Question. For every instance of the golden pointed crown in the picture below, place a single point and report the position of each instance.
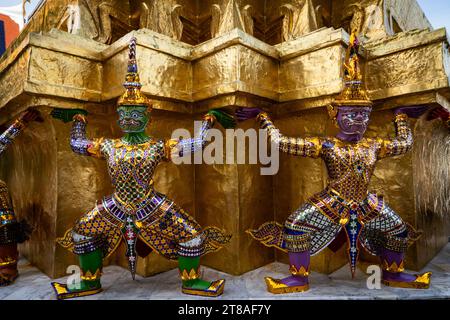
(133, 95)
(354, 93)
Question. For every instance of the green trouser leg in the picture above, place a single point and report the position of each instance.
(91, 268)
(189, 267)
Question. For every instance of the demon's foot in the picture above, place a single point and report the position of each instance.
(63, 292)
(199, 287)
(7, 277)
(405, 280)
(287, 285)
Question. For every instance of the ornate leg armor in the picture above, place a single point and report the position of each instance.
(8, 246)
(388, 236)
(189, 267)
(305, 233)
(90, 255)
(298, 244)
(8, 264)
(11, 233)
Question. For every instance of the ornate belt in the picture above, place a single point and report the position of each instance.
(337, 209)
(120, 210)
(132, 216)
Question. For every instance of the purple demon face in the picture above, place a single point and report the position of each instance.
(353, 121)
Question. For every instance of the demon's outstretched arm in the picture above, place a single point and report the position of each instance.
(306, 147)
(7, 137)
(79, 142)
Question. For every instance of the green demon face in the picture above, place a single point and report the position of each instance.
(133, 118)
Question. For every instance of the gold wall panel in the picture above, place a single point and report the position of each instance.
(63, 75)
(256, 205)
(234, 197)
(217, 204)
(215, 74)
(314, 74)
(258, 74)
(163, 78)
(308, 68)
(160, 79)
(14, 77)
(409, 63)
(414, 74)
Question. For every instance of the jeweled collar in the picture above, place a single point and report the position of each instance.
(120, 143)
(364, 142)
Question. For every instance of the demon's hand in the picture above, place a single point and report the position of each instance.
(243, 114)
(223, 117)
(31, 115)
(412, 112)
(66, 115)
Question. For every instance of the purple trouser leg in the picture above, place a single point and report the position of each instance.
(390, 257)
(298, 260)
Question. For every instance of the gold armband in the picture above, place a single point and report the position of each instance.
(168, 148)
(209, 117)
(95, 148)
(19, 124)
(401, 117)
(79, 117)
(262, 116)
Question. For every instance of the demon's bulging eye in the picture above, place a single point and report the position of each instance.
(136, 115)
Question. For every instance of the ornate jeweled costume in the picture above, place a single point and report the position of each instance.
(11, 230)
(136, 210)
(136, 213)
(345, 205)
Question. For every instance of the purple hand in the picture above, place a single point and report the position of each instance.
(243, 114)
(412, 112)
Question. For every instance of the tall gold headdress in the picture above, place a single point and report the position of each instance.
(133, 95)
(354, 93)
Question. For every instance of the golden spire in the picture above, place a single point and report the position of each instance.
(133, 95)
(354, 93)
